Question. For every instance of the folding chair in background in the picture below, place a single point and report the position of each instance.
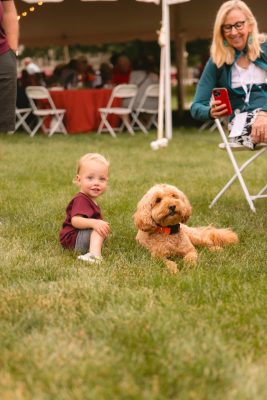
(211, 124)
(231, 148)
(39, 98)
(123, 91)
(151, 92)
(21, 116)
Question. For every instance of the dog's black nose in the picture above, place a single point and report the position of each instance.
(172, 209)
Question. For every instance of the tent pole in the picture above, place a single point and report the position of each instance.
(161, 90)
(180, 49)
(168, 107)
(161, 140)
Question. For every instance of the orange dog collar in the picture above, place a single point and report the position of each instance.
(168, 230)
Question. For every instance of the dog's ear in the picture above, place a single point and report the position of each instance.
(186, 209)
(142, 217)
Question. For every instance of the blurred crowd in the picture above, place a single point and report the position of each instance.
(79, 73)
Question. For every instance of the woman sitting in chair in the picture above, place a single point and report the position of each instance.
(238, 62)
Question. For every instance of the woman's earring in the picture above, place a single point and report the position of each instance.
(250, 39)
(225, 43)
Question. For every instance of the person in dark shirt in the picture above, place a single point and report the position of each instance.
(84, 229)
(8, 64)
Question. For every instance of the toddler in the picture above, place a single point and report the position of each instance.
(84, 229)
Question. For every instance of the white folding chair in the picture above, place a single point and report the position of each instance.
(211, 125)
(21, 116)
(146, 106)
(39, 98)
(231, 148)
(124, 91)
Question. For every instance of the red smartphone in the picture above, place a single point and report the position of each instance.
(222, 95)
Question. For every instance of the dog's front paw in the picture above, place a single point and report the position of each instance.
(190, 259)
(171, 266)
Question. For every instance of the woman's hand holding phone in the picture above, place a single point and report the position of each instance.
(220, 105)
(217, 109)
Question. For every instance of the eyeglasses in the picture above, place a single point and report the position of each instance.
(238, 26)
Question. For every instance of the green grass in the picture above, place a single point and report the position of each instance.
(127, 329)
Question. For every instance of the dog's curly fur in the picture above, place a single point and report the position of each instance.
(165, 205)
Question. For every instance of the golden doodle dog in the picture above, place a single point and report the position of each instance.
(160, 218)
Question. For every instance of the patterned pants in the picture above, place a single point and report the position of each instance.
(245, 137)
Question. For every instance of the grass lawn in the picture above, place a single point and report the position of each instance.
(127, 329)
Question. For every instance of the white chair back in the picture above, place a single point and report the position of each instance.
(152, 91)
(36, 93)
(123, 91)
(127, 92)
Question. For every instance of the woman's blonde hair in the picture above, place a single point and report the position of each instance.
(221, 53)
(90, 157)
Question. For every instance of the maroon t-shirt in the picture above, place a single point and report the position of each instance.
(4, 47)
(79, 205)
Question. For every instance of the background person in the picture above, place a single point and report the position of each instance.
(238, 62)
(84, 229)
(121, 71)
(8, 65)
(30, 66)
(106, 75)
(67, 74)
(35, 76)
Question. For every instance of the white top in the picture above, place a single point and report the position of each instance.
(32, 68)
(247, 76)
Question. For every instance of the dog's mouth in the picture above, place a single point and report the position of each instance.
(170, 217)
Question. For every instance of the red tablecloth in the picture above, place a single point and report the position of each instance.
(81, 107)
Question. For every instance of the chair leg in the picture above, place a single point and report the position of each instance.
(212, 128)
(22, 121)
(142, 126)
(139, 123)
(127, 124)
(26, 127)
(243, 186)
(37, 126)
(107, 124)
(205, 125)
(260, 194)
(263, 190)
(63, 128)
(239, 176)
(152, 121)
(122, 125)
(102, 123)
(238, 171)
(58, 125)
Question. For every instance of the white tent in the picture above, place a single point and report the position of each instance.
(106, 21)
(164, 41)
(70, 22)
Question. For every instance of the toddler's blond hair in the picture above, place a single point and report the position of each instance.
(90, 157)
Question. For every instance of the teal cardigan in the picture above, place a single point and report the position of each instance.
(213, 77)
